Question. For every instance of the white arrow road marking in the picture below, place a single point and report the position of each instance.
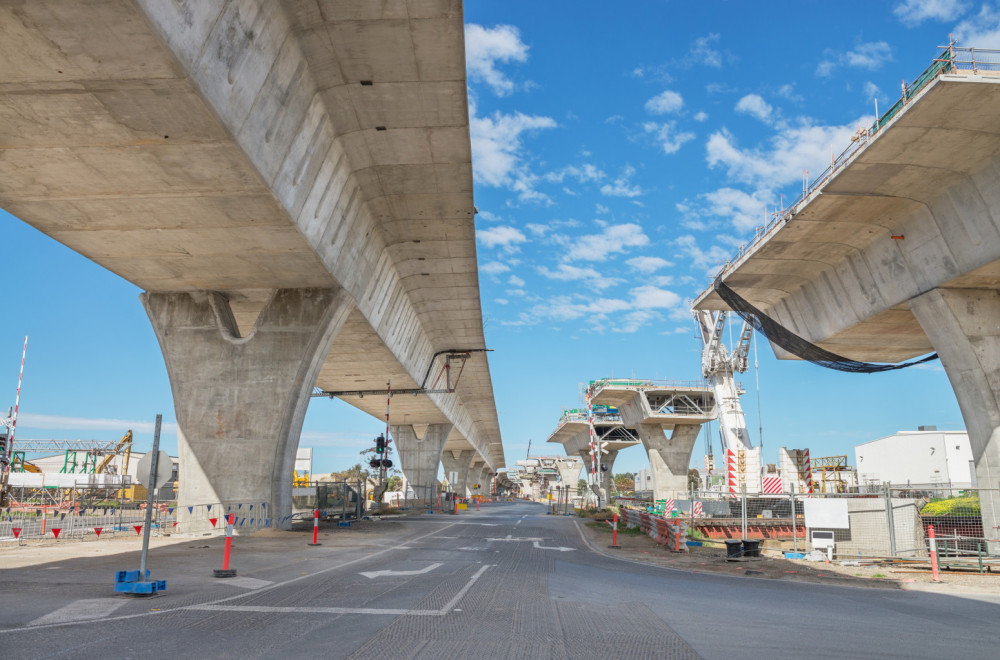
(374, 574)
(557, 547)
(521, 538)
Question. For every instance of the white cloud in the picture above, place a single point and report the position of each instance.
(755, 106)
(502, 236)
(667, 136)
(664, 103)
(613, 240)
(485, 47)
(501, 301)
(873, 93)
(601, 208)
(498, 157)
(649, 297)
(494, 268)
(915, 12)
(707, 260)
(582, 173)
(743, 210)
(796, 146)
(983, 31)
(621, 187)
(871, 56)
(491, 217)
(568, 273)
(703, 51)
(515, 281)
(648, 265)
(59, 422)
(701, 116)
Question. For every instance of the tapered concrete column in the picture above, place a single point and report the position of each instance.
(240, 401)
(600, 484)
(569, 472)
(964, 327)
(474, 473)
(420, 458)
(459, 464)
(669, 458)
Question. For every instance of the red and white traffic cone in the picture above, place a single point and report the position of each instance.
(614, 533)
(316, 528)
(225, 571)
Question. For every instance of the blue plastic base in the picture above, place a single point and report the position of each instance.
(146, 587)
(128, 582)
(344, 523)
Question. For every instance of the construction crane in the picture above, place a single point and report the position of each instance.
(720, 367)
(125, 442)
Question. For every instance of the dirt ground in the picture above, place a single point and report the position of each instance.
(636, 546)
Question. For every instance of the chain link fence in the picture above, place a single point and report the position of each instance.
(885, 522)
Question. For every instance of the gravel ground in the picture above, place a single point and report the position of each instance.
(636, 546)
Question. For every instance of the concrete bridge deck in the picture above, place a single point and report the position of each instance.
(897, 254)
(255, 166)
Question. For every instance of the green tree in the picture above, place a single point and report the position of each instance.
(694, 479)
(581, 486)
(395, 483)
(354, 473)
(624, 482)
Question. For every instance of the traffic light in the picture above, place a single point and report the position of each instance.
(375, 463)
(380, 446)
(386, 463)
(604, 467)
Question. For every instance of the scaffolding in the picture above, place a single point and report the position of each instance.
(835, 475)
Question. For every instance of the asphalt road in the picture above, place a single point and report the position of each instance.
(505, 582)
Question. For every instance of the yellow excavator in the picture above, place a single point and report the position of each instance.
(126, 444)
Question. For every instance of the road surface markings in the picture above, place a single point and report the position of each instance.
(556, 547)
(245, 582)
(81, 610)
(123, 617)
(374, 574)
(448, 608)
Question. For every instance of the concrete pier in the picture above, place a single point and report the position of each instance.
(420, 457)
(240, 401)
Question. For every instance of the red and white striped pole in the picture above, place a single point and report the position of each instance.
(17, 402)
(225, 571)
(614, 533)
(316, 528)
(934, 561)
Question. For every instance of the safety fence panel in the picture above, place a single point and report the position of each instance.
(78, 522)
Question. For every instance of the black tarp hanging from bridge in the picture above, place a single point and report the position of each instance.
(798, 346)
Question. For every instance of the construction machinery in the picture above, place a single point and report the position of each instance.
(719, 367)
(124, 444)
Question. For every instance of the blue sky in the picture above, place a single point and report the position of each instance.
(621, 150)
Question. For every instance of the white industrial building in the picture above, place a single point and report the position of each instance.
(925, 457)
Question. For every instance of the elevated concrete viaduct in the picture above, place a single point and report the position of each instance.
(611, 436)
(653, 409)
(897, 253)
(290, 183)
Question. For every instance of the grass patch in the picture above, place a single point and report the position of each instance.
(879, 575)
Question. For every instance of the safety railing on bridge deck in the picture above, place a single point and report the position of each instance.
(595, 385)
(951, 60)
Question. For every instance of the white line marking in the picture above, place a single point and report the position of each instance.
(448, 608)
(517, 539)
(371, 575)
(557, 547)
(80, 610)
(245, 582)
(123, 617)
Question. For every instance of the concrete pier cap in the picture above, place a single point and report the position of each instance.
(895, 253)
(655, 409)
